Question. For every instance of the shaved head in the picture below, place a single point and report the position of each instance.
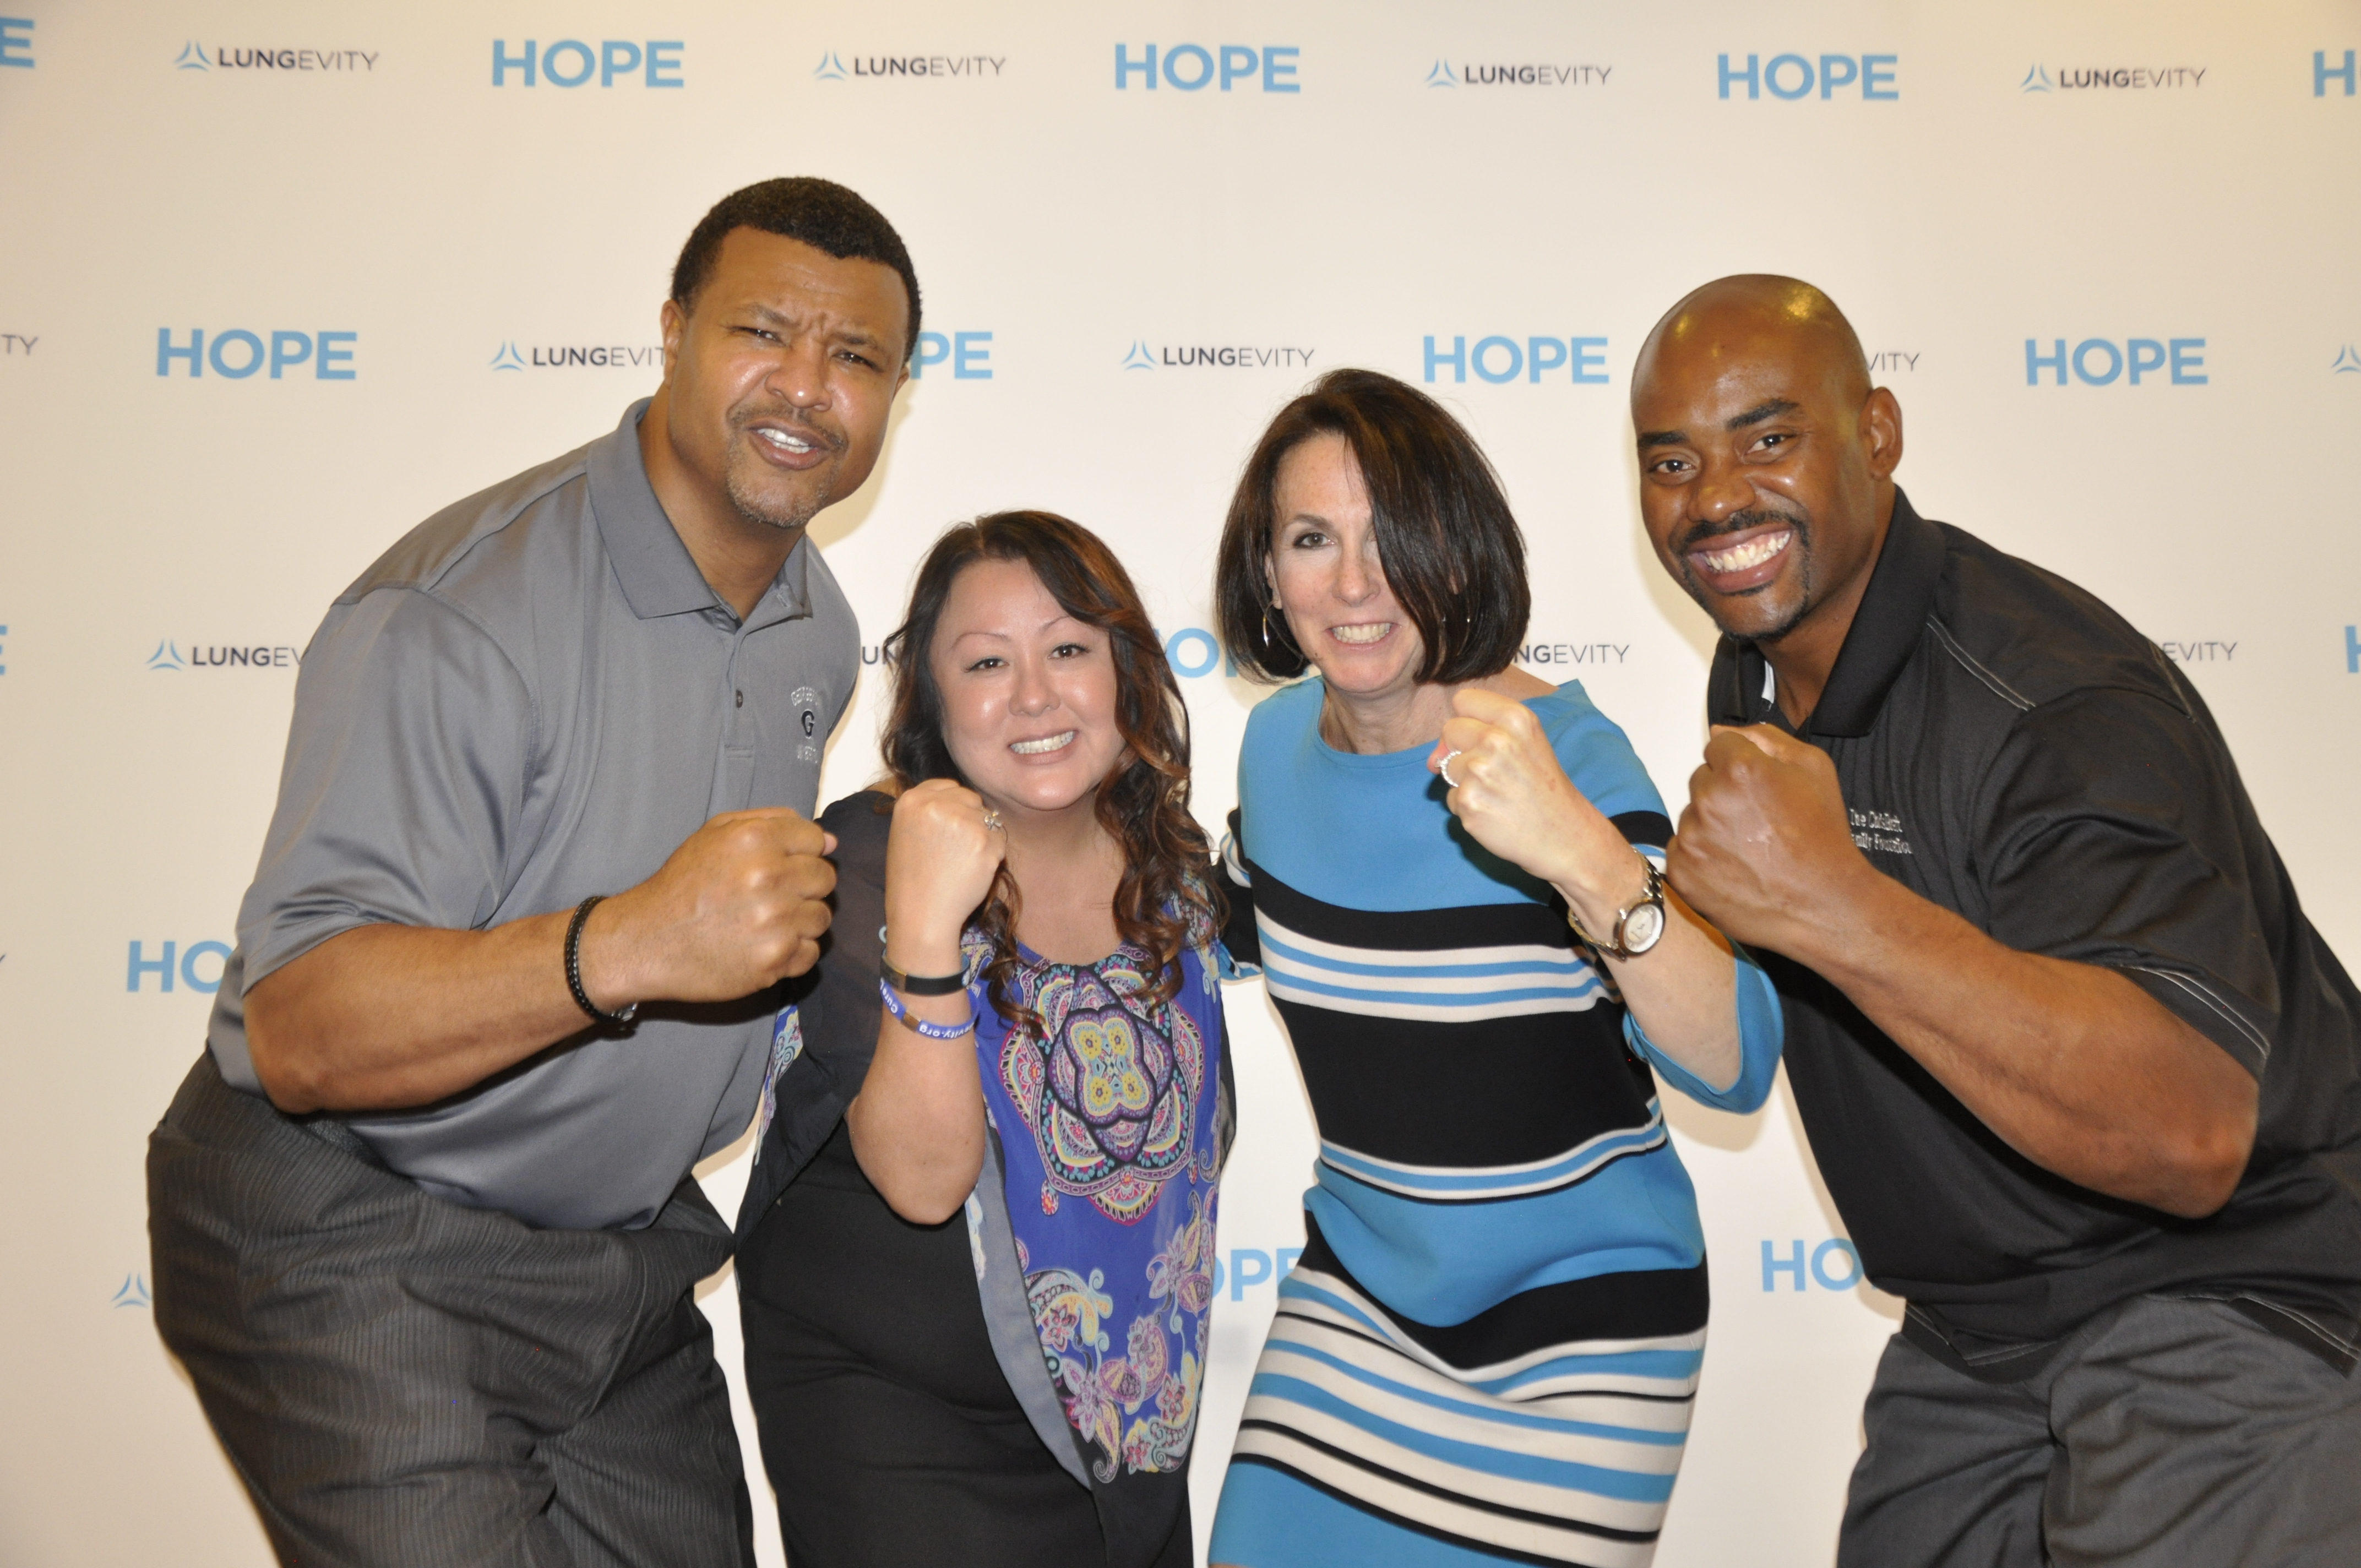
(1760, 311)
(1766, 461)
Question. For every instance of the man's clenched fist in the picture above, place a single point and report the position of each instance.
(1764, 849)
(741, 904)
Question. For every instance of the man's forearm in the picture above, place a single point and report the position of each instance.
(386, 1017)
(2072, 1065)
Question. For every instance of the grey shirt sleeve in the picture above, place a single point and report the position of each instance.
(405, 784)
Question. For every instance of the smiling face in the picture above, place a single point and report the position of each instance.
(779, 379)
(1766, 460)
(1325, 571)
(1029, 692)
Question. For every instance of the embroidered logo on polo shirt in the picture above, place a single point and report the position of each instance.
(807, 700)
(1878, 830)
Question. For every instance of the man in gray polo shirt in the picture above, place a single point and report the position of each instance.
(539, 880)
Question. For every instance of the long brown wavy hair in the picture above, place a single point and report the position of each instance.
(1165, 901)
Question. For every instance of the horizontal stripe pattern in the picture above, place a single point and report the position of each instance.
(1565, 1454)
(1441, 986)
(1460, 1184)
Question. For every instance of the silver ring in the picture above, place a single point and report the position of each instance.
(992, 822)
(1444, 769)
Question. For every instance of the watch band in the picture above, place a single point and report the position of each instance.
(621, 1020)
(1652, 892)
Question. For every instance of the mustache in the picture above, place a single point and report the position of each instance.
(1740, 521)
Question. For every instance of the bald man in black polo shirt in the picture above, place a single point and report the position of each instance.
(2083, 1082)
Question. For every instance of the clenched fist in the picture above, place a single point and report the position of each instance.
(939, 864)
(1764, 850)
(741, 904)
(1515, 800)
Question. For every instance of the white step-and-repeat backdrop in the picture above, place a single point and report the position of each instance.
(278, 281)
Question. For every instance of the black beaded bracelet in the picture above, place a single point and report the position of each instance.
(621, 1020)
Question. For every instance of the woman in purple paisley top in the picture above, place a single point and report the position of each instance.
(1032, 1070)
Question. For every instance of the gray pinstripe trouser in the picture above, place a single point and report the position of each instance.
(403, 1380)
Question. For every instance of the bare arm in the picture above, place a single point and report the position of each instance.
(2070, 1064)
(1516, 800)
(384, 1017)
(917, 1123)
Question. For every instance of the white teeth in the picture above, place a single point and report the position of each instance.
(1047, 743)
(781, 438)
(1754, 553)
(1367, 633)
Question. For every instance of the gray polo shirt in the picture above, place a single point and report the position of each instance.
(532, 697)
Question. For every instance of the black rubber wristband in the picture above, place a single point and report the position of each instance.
(574, 968)
(922, 985)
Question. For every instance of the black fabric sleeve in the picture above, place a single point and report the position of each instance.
(836, 1003)
(2112, 831)
(1238, 934)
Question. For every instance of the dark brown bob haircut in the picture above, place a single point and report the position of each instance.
(1164, 900)
(822, 214)
(1452, 553)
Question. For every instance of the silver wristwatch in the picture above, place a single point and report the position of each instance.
(1638, 926)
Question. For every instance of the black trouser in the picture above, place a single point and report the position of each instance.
(403, 1380)
(889, 1431)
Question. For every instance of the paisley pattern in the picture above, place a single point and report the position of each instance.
(1116, 1093)
(1109, 1087)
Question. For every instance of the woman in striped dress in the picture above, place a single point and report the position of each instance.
(1449, 873)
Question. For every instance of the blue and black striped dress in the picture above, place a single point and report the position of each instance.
(1489, 1349)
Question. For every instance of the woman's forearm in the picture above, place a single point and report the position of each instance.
(917, 1123)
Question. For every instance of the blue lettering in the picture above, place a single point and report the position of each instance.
(969, 363)
(1240, 1260)
(1771, 1266)
(1456, 359)
(1191, 667)
(1771, 76)
(288, 348)
(2183, 361)
(549, 63)
(2321, 73)
(2352, 650)
(188, 965)
(1751, 76)
(503, 61)
(1535, 347)
(330, 355)
(613, 61)
(663, 56)
(1829, 80)
(195, 353)
(2140, 362)
(1871, 78)
(162, 967)
(2034, 363)
(1274, 68)
(1822, 1253)
(1205, 60)
(1516, 359)
(1584, 360)
(933, 349)
(254, 354)
(1125, 65)
(17, 45)
(1238, 61)
(2115, 362)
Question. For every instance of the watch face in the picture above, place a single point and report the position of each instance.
(1642, 926)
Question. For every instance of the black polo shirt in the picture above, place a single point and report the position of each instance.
(2010, 749)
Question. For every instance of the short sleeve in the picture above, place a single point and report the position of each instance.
(2111, 831)
(404, 782)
